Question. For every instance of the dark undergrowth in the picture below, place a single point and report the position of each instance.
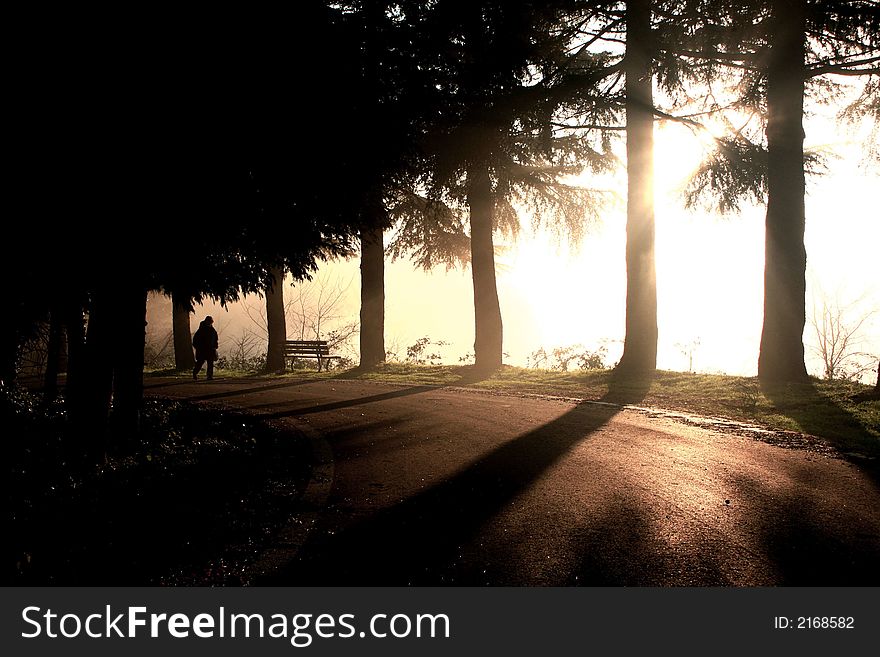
(198, 496)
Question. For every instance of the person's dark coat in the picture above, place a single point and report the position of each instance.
(205, 342)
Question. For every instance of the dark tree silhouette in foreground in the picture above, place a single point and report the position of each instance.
(54, 347)
(640, 344)
(180, 327)
(276, 323)
(372, 314)
(785, 257)
(780, 50)
(222, 162)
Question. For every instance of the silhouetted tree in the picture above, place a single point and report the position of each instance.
(501, 72)
(395, 101)
(276, 324)
(54, 346)
(777, 47)
(212, 135)
(372, 329)
(180, 326)
(785, 257)
(488, 326)
(640, 344)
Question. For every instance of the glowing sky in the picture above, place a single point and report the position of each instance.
(709, 272)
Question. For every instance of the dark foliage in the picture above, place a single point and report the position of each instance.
(193, 502)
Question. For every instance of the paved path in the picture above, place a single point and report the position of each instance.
(424, 485)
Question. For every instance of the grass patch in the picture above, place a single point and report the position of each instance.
(845, 414)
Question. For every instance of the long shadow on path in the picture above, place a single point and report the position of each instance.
(338, 405)
(246, 391)
(820, 415)
(807, 550)
(418, 541)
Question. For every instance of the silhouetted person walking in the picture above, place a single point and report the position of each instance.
(205, 342)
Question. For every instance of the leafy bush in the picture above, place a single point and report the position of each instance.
(415, 353)
(250, 364)
(193, 501)
(341, 363)
(561, 359)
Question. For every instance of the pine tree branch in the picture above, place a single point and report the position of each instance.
(850, 59)
(588, 126)
(853, 62)
(841, 69)
(826, 38)
(602, 37)
(723, 57)
(678, 119)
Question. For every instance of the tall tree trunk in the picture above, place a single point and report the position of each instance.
(785, 259)
(90, 407)
(63, 347)
(276, 323)
(488, 328)
(77, 365)
(129, 338)
(640, 344)
(85, 447)
(53, 354)
(108, 366)
(9, 343)
(184, 360)
(877, 385)
(372, 335)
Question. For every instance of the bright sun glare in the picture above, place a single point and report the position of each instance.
(709, 272)
(576, 295)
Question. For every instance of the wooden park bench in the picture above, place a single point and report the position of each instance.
(318, 349)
